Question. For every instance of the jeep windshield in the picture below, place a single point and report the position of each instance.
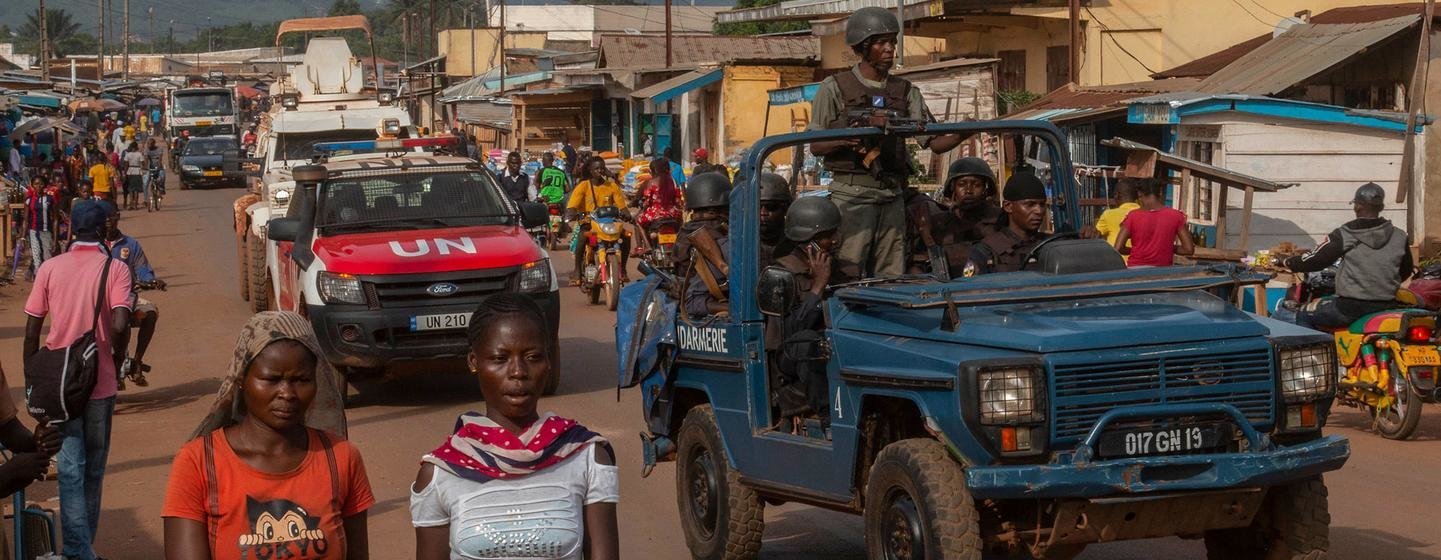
(420, 199)
(293, 146)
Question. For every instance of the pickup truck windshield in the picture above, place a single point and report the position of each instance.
(414, 200)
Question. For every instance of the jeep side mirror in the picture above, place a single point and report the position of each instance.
(534, 214)
(776, 291)
(283, 229)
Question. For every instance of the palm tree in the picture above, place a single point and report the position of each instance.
(58, 23)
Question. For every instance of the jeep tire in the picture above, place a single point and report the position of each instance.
(1294, 524)
(257, 273)
(242, 257)
(722, 519)
(917, 506)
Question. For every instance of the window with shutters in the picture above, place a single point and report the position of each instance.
(1011, 71)
(1058, 66)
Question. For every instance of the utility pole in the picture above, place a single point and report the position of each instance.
(434, 44)
(405, 40)
(44, 43)
(470, 19)
(667, 34)
(901, 34)
(209, 35)
(100, 48)
(1074, 72)
(501, 47)
(170, 42)
(125, 36)
(151, 37)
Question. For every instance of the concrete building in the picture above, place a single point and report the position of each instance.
(584, 23)
(19, 61)
(1122, 40)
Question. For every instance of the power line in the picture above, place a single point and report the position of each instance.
(1117, 43)
(1248, 12)
(1268, 10)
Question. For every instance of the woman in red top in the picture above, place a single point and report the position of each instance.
(269, 473)
(660, 199)
(1152, 228)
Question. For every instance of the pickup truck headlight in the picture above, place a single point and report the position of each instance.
(1307, 372)
(339, 288)
(534, 277)
(190, 168)
(1010, 395)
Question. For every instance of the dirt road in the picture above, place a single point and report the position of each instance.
(1380, 503)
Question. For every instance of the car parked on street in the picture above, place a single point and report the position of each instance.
(204, 164)
(1027, 413)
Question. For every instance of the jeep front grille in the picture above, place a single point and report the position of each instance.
(411, 290)
(1100, 381)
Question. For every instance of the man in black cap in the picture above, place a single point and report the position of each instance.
(1005, 250)
(1377, 258)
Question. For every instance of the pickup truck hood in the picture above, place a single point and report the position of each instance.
(422, 251)
(1095, 315)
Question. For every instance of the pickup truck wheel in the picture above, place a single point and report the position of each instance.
(258, 274)
(1294, 524)
(722, 518)
(917, 506)
(243, 258)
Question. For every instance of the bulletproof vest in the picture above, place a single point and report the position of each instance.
(1007, 252)
(856, 96)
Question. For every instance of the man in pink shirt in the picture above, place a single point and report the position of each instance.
(1153, 229)
(65, 291)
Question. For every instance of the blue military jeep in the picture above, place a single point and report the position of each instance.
(1025, 413)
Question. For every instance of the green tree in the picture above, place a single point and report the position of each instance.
(345, 8)
(759, 28)
(60, 25)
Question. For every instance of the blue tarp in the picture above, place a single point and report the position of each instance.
(41, 101)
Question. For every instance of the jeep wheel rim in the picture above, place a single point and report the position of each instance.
(902, 528)
(704, 492)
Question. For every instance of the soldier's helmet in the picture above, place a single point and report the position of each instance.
(810, 216)
(708, 190)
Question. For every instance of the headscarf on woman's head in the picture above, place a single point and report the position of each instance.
(326, 412)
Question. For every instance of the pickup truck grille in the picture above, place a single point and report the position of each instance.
(411, 291)
(1148, 376)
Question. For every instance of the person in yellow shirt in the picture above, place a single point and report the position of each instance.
(100, 179)
(1109, 223)
(129, 133)
(597, 188)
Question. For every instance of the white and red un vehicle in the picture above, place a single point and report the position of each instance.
(388, 256)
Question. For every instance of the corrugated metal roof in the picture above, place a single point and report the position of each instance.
(648, 51)
(669, 89)
(1072, 96)
(813, 9)
(1301, 52)
(945, 64)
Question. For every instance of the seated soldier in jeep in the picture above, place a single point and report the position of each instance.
(775, 199)
(1006, 249)
(795, 341)
(701, 249)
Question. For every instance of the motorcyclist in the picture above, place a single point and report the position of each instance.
(597, 188)
(796, 338)
(1005, 250)
(551, 182)
(775, 200)
(1375, 257)
(153, 164)
(660, 199)
(145, 314)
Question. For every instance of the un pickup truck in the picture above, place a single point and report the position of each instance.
(1027, 413)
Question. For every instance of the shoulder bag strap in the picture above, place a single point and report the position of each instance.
(212, 489)
(334, 471)
(100, 296)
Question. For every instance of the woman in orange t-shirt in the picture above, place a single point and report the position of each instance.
(269, 473)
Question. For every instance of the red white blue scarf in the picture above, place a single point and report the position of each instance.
(482, 451)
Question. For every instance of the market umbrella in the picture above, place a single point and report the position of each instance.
(43, 124)
(148, 101)
(247, 91)
(96, 105)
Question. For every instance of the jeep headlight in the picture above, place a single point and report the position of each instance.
(1010, 395)
(339, 288)
(610, 228)
(534, 277)
(1307, 372)
(190, 168)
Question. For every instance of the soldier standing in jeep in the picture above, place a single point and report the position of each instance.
(869, 178)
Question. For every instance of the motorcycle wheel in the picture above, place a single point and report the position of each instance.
(1399, 420)
(612, 284)
(554, 239)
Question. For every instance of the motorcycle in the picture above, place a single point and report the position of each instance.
(556, 227)
(662, 234)
(602, 237)
(1389, 360)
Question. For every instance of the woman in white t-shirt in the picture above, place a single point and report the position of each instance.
(512, 483)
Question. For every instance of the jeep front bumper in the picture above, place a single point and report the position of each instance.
(1079, 475)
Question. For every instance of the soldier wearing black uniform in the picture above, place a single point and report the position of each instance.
(707, 197)
(775, 198)
(1005, 250)
(796, 339)
(974, 211)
